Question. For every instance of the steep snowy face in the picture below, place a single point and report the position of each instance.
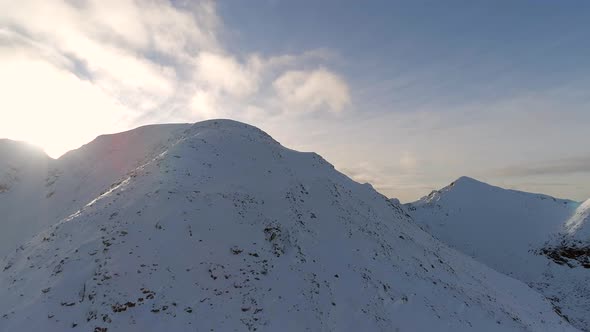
(42, 190)
(572, 246)
(578, 226)
(496, 225)
(226, 229)
(113, 155)
(93, 169)
(509, 231)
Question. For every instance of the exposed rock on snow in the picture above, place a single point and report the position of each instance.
(572, 246)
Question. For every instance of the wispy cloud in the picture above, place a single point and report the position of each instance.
(141, 61)
(224, 73)
(312, 90)
(551, 167)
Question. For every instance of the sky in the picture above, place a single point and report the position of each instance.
(405, 95)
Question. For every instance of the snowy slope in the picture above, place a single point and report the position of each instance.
(227, 230)
(578, 226)
(93, 169)
(571, 247)
(509, 231)
(54, 189)
(23, 169)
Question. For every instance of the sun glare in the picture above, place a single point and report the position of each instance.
(52, 108)
(54, 146)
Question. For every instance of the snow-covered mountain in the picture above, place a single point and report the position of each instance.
(524, 235)
(53, 189)
(216, 226)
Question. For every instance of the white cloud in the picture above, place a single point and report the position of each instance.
(177, 32)
(105, 65)
(51, 107)
(224, 73)
(312, 90)
(204, 105)
(140, 25)
(85, 68)
(106, 39)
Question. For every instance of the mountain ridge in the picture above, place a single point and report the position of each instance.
(523, 235)
(222, 227)
(467, 182)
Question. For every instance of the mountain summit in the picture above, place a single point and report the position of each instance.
(524, 235)
(216, 226)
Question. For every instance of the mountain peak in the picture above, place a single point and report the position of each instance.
(506, 229)
(229, 128)
(472, 186)
(225, 124)
(464, 185)
(468, 181)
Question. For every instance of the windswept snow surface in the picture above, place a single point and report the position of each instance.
(219, 227)
(36, 190)
(510, 231)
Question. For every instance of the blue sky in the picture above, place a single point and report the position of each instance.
(406, 95)
(458, 50)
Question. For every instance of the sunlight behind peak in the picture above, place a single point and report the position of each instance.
(52, 108)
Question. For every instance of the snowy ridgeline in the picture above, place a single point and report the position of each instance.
(538, 239)
(216, 226)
